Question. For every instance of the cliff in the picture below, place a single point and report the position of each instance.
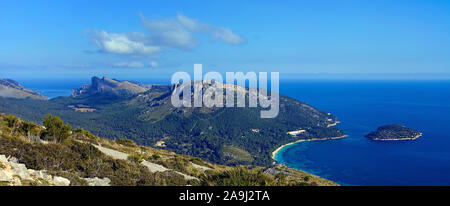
(12, 89)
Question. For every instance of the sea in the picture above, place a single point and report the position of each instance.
(361, 106)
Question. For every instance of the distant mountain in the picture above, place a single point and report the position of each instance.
(225, 135)
(110, 87)
(12, 89)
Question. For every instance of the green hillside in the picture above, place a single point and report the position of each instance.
(149, 118)
(79, 155)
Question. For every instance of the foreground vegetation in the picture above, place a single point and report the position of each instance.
(72, 154)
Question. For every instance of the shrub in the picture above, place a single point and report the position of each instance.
(126, 142)
(83, 134)
(55, 129)
(136, 157)
(156, 156)
(239, 176)
(11, 120)
(30, 129)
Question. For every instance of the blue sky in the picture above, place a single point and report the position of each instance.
(149, 38)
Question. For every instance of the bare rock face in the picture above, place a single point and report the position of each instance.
(98, 181)
(12, 89)
(110, 87)
(61, 181)
(21, 171)
(15, 174)
(82, 90)
(11, 83)
(5, 170)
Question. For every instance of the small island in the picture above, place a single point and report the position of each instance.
(394, 132)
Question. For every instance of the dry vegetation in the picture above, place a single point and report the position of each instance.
(71, 154)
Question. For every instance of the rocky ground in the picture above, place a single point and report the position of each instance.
(13, 173)
(151, 166)
(16, 174)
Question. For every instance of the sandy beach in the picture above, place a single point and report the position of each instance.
(274, 153)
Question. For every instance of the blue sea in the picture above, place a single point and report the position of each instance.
(361, 106)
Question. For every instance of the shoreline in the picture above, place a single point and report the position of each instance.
(275, 152)
(397, 139)
(334, 124)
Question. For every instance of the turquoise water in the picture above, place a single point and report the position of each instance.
(362, 106)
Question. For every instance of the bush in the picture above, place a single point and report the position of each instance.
(239, 176)
(156, 156)
(11, 120)
(136, 157)
(83, 134)
(30, 129)
(55, 129)
(126, 142)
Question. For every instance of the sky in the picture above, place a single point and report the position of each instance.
(126, 39)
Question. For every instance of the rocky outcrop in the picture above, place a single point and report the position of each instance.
(150, 165)
(13, 173)
(110, 87)
(12, 89)
(98, 181)
(276, 169)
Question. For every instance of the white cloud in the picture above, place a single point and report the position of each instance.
(226, 35)
(170, 33)
(134, 64)
(122, 43)
(217, 32)
(178, 32)
(174, 33)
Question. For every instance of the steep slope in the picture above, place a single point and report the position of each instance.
(109, 86)
(228, 135)
(12, 89)
(85, 159)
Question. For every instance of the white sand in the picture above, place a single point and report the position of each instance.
(274, 153)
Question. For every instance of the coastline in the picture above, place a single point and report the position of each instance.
(398, 139)
(275, 152)
(334, 124)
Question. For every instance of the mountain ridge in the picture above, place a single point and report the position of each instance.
(225, 135)
(109, 86)
(12, 89)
